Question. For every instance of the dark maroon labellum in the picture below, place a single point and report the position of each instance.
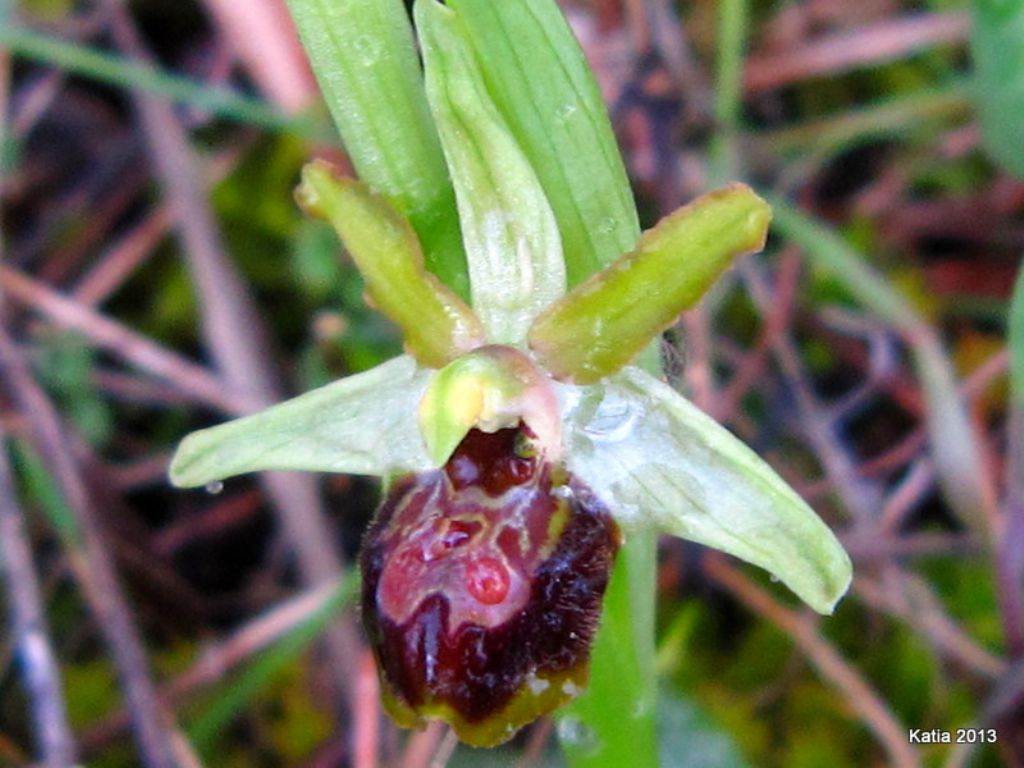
(482, 587)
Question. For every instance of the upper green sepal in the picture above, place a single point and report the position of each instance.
(511, 238)
(362, 425)
(656, 459)
(436, 324)
(604, 323)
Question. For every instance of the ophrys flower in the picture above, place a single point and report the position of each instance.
(515, 427)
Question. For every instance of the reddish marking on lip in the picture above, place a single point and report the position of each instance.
(487, 580)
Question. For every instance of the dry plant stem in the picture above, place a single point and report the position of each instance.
(29, 626)
(422, 745)
(843, 51)
(112, 269)
(775, 323)
(123, 342)
(366, 718)
(219, 659)
(867, 546)
(862, 698)
(92, 562)
(262, 34)
(540, 735)
(236, 338)
(910, 599)
(445, 750)
(860, 497)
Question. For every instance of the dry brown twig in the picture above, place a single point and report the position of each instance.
(30, 629)
(842, 51)
(92, 563)
(858, 693)
(235, 337)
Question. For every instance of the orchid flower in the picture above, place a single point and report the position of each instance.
(518, 439)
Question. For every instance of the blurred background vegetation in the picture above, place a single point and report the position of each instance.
(157, 277)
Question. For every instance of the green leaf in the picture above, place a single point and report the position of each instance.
(541, 83)
(218, 713)
(364, 57)
(436, 324)
(605, 322)
(997, 45)
(364, 424)
(510, 235)
(655, 458)
(614, 721)
(119, 71)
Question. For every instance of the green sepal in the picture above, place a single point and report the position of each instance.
(364, 424)
(539, 79)
(606, 321)
(512, 244)
(364, 56)
(436, 324)
(656, 459)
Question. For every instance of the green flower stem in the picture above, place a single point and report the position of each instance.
(364, 57)
(613, 723)
(436, 324)
(603, 323)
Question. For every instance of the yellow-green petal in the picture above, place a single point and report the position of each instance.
(605, 322)
(436, 324)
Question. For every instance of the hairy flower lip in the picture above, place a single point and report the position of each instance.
(444, 649)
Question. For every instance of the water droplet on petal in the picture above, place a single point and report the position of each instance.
(614, 420)
(214, 487)
(368, 49)
(566, 111)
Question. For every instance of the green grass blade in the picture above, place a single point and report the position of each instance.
(219, 711)
(540, 81)
(364, 57)
(1015, 336)
(731, 39)
(116, 70)
(997, 45)
(954, 448)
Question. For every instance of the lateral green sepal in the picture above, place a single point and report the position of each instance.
(363, 425)
(657, 460)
